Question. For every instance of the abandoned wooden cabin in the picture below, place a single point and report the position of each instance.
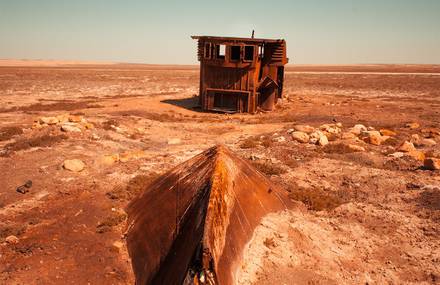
(240, 74)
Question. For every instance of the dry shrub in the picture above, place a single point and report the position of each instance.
(249, 143)
(269, 168)
(160, 117)
(41, 141)
(108, 125)
(14, 229)
(317, 199)
(8, 132)
(135, 186)
(58, 106)
(338, 148)
(267, 142)
(110, 221)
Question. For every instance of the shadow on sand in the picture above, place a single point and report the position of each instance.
(190, 103)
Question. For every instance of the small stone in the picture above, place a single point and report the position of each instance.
(416, 154)
(386, 132)
(301, 137)
(430, 132)
(64, 118)
(407, 147)
(118, 244)
(128, 155)
(174, 141)
(109, 159)
(289, 131)
(88, 125)
(323, 140)
(279, 139)
(413, 125)
(304, 128)
(75, 165)
(358, 129)
(22, 189)
(75, 118)
(330, 128)
(348, 136)
(49, 120)
(339, 125)
(428, 142)
(432, 163)
(373, 137)
(355, 148)
(398, 154)
(70, 128)
(12, 239)
(95, 137)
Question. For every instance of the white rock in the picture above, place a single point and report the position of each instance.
(300, 137)
(12, 239)
(357, 129)
(70, 128)
(323, 140)
(75, 165)
(279, 139)
(49, 120)
(174, 141)
(304, 128)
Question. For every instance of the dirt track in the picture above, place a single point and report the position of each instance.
(365, 217)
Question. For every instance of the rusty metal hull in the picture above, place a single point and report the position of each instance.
(213, 201)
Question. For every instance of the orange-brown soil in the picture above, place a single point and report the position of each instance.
(366, 217)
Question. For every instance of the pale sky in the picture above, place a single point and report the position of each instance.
(142, 31)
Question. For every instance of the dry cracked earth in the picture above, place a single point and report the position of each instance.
(77, 142)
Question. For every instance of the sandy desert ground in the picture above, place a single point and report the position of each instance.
(368, 212)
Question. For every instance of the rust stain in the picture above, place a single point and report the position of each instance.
(195, 220)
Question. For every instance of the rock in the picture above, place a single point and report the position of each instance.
(70, 128)
(23, 189)
(88, 125)
(109, 159)
(313, 140)
(330, 128)
(255, 157)
(415, 139)
(430, 132)
(407, 147)
(63, 118)
(75, 165)
(432, 163)
(339, 125)
(304, 128)
(289, 131)
(174, 141)
(279, 139)
(301, 137)
(355, 148)
(75, 119)
(49, 120)
(373, 137)
(428, 142)
(322, 141)
(348, 136)
(118, 245)
(95, 137)
(128, 155)
(416, 154)
(386, 132)
(36, 125)
(413, 125)
(12, 239)
(398, 154)
(358, 129)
